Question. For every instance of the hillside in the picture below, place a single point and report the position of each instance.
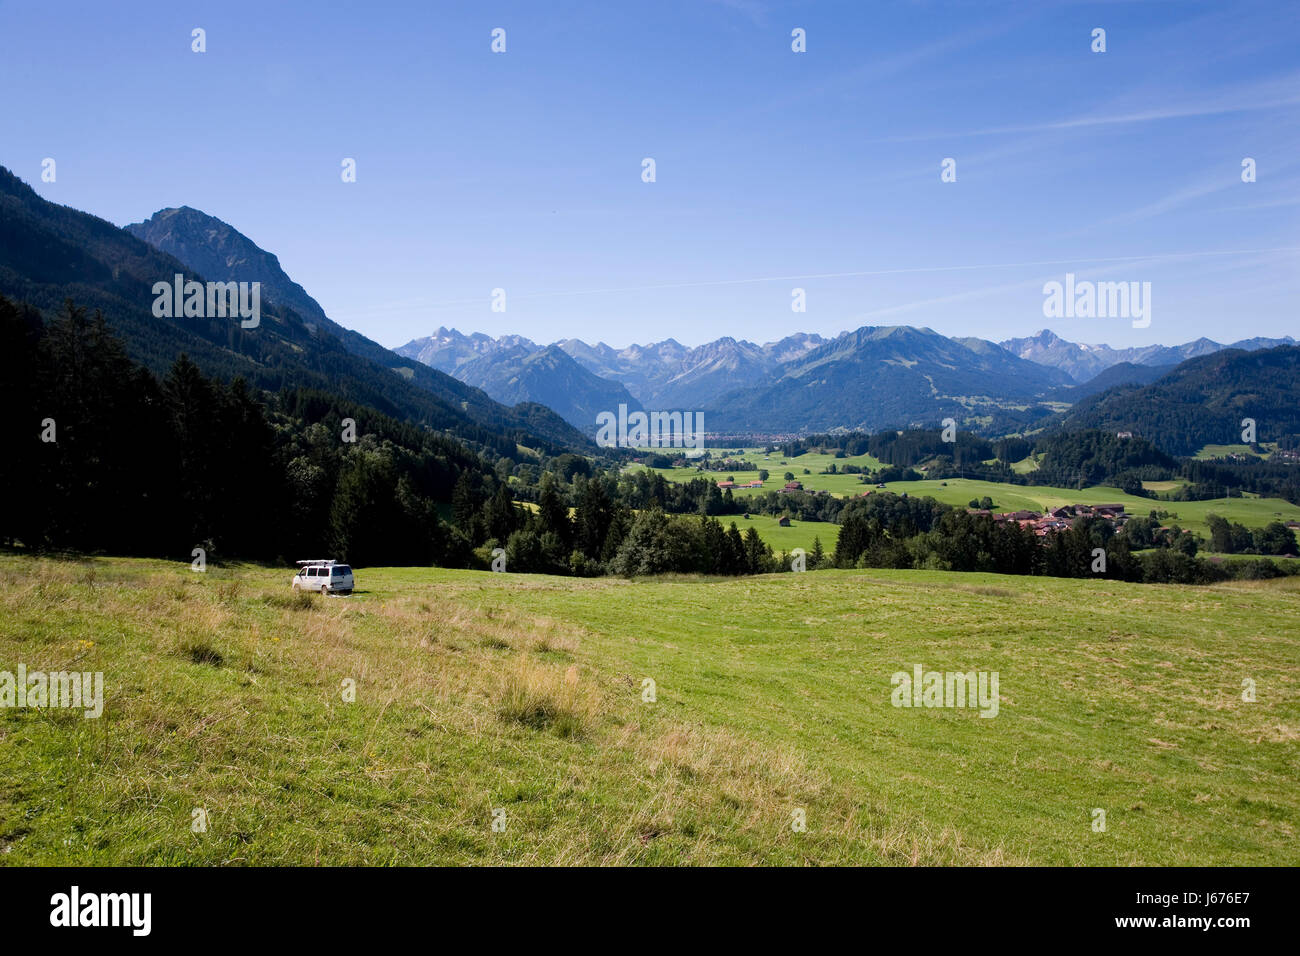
(49, 253)
(1125, 373)
(479, 693)
(1203, 401)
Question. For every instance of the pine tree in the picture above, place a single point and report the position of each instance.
(464, 502)
(736, 563)
(553, 513)
(500, 514)
(755, 551)
(594, 517)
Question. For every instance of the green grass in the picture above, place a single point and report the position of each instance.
(800, 534)
(478, 692)
(1223, 451)
(1162, 486)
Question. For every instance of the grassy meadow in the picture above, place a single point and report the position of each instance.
(1253, 512)
(522, 696)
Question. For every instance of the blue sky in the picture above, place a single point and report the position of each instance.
(819, 170)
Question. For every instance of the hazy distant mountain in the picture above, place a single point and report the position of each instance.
(642, 368)
(887, 377)
(447, 350)
(1083, 362)
(663, 374)
(550, 377)
(514, 369)
(870, 378)
(712, 370)
(668, 375)
(793, 347)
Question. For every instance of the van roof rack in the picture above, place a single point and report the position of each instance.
(317, 561)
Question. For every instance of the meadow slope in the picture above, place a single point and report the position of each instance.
(480, 692)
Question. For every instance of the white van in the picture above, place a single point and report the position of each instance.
(326, 576)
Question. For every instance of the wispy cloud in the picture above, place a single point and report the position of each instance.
(1246, 105)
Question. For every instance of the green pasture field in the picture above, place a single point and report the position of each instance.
(526, 700)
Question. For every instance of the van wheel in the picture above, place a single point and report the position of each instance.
(295, 587)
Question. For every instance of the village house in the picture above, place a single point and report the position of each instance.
(1060, 518)
(783, 521)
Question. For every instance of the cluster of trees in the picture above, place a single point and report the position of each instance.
(109, 457)
(600, 523)
(1224, 479)
(843, 445)
(658, 543)
(1227, 537)
(888, 531)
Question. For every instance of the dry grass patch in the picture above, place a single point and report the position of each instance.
(544, 698)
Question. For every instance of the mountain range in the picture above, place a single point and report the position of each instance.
(869, 378)
(1084, 362)
(662, 375)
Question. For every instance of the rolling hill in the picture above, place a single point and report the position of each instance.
(1203, 401)
(1125, 373)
